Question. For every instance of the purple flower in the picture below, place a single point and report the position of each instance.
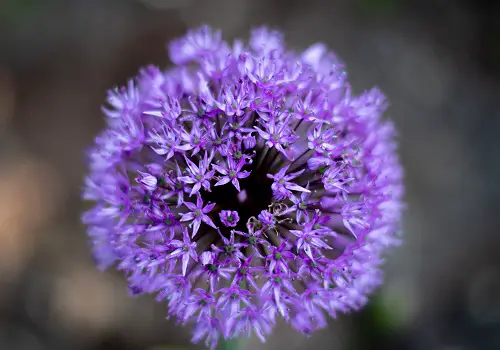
(244, 273)
(254, 240)
(277, 133)
(234, 297)
(249, 141)
(232, 173)
(279, 258)
(148, 181)
(197, 45)
(249, 319)
(213, 269)
(301, 206)
(200, 303)
(266, 218)
(176, 186)
(282, 186)
(245, 184)
(198, 214)
(185, 249)
(165, 142)
(230, 247)
(229, 218)
(309, 240)
(198, 175)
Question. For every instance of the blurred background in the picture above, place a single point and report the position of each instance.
(439, 63)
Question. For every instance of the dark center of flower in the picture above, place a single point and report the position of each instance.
(258, 196)
(199, 177)
(212, 268)
(278, 256)
(197, 212)
(303, 205)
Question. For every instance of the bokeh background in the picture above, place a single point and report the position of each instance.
(439, 62)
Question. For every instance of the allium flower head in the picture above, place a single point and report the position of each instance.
(244, 185)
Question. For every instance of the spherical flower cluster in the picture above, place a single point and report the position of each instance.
(245, 184)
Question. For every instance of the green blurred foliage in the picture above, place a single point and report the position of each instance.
(377, 7)
(168, 347)
(374, 325)
(14, 12)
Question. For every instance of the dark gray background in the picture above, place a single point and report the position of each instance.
(439, 63)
